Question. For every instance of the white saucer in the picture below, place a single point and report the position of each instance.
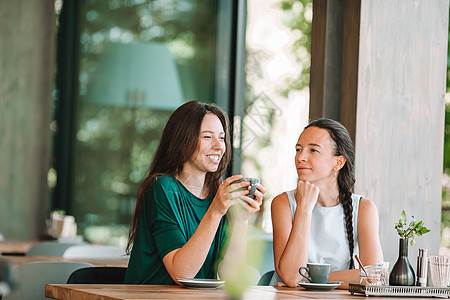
(197, 283)
(319, 286)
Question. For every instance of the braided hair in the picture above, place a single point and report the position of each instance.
(346, 178)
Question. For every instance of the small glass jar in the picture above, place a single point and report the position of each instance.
(377, 274)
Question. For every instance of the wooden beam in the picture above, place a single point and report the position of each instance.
(317, 74)
(326, 56)
(350, 56)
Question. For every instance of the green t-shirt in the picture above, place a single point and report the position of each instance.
(169, 217)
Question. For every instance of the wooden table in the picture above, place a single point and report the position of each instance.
(98, 262)
(16, 246)
(133, 292)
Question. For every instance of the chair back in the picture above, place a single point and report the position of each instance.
(7, 280)
(32, 277)
(99, 275)
(93, 251)
(265, 279)
(49, 249)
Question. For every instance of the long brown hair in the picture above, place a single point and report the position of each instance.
(346, 178)
(178, 143)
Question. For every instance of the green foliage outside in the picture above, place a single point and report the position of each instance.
(447, 115)
(445, 217)
(447, 138)
(295, 14)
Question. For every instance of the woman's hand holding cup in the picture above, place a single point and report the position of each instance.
(247, 194)
(224, 195)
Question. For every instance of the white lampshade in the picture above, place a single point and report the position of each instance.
(136, 75)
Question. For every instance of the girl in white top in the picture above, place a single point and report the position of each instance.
(322, 220)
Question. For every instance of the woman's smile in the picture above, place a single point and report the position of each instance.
(214, 157)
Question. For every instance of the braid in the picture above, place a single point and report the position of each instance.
(346, 201)
(346, 182)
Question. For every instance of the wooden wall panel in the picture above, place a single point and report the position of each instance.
(326, 59)
(350, 60)
(26, 75)
(400, 114)
(317, 73)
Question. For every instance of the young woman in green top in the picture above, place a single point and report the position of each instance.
(179, 225)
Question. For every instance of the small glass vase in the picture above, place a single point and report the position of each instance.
(402, 273)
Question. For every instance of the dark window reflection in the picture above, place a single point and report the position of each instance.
(138, 61)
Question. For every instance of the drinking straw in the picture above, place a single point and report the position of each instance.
(362, 267)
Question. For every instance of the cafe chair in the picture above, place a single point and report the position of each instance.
(49, 249)
(94, 251)
(265, 279)
(98, 275)
(7, 281)
(33, 276)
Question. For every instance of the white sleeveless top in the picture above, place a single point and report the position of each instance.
(328, 235)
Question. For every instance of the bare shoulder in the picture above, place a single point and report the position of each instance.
(368, 210)
(368, 232)
(366, 205)
(281, 218)
(280, 201)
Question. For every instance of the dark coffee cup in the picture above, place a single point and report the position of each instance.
(253, 183)
(318, 273)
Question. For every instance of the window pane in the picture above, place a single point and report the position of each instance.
(277, 96)
(138, 61)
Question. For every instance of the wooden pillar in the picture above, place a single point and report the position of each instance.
(26, 82)
(326, 59)
(316, 88)
(350, 54)
(394, 58)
